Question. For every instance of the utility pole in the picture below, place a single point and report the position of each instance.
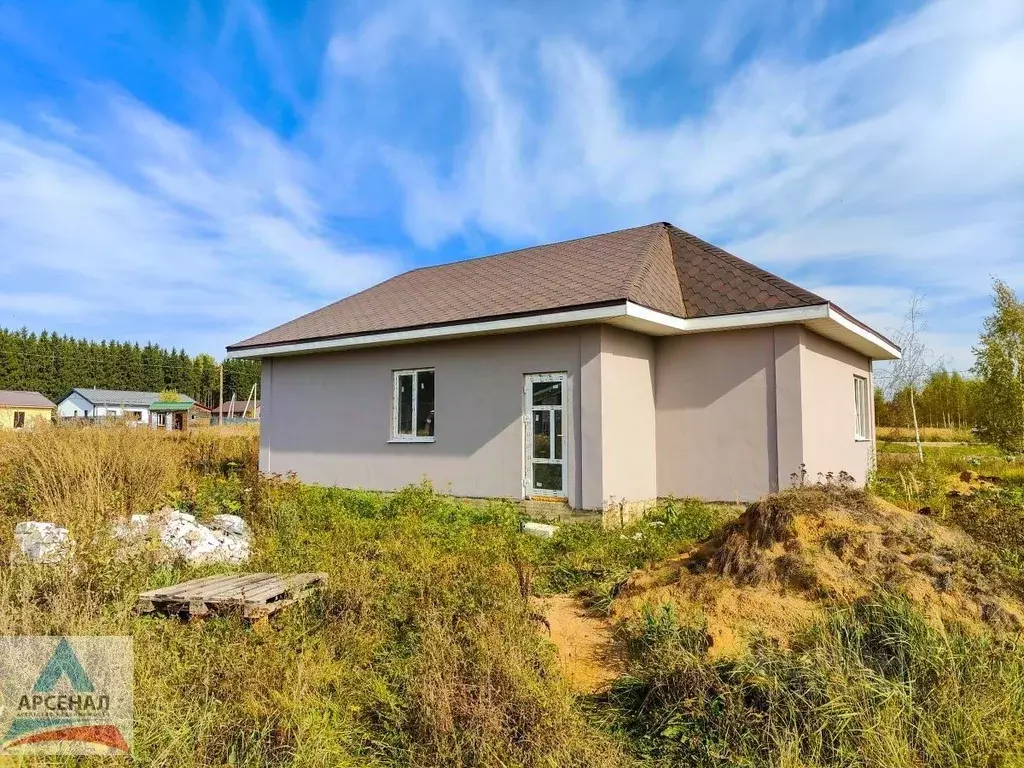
(220, 411)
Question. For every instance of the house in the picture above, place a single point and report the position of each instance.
(607, 371)
(23, 409)
(109, 403)
(180, 414)
(239, 409)
(199, 416)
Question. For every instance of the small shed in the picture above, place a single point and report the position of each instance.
(170, 415)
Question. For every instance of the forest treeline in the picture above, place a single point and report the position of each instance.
(53, 364)
(945, 400)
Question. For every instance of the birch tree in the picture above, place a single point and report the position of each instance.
(914, 366)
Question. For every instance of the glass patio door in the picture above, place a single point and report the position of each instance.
(544, 418)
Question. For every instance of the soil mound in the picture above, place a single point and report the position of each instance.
(795, 552)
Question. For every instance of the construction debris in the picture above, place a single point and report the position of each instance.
(224, 540)
(41, 542)
(257, 594)
(541, 530)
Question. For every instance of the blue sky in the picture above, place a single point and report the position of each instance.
(193, 173)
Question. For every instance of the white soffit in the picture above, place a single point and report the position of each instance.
(823, 319)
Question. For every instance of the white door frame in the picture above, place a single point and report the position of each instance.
(528, 411)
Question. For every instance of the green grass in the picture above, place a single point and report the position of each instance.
(585, 560)
(872, 685)
(424, 650)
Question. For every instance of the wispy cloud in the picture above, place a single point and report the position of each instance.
(896, 160)
(169, 232)
(864, 157)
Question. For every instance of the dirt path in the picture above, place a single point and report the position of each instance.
(586, 649)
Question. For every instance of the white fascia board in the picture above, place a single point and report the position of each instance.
(504, 325)
(880, 348)
(890, 351)
(658, 323)
(727, 322)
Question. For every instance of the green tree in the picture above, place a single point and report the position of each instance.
(1000, 366)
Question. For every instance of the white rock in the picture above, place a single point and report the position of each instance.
(541, 530)
(232, 524)
(199, 544)
(176, 516)
(135, 528)
(42, 542)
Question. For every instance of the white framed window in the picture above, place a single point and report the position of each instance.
(412, 406)
(861, 409)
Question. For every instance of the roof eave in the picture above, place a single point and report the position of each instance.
(825, 319)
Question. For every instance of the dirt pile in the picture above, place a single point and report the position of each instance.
(792, 553)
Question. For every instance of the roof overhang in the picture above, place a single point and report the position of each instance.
(163, 405)
(824, 319)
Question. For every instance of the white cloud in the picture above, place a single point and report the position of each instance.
(183, 238)
(899, 160)
(893, 164)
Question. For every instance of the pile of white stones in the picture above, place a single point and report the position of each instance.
(42, 542)
(225, 539)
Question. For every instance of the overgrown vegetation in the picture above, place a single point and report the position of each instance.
(425, 648)
(872, 684)
(1000, 366)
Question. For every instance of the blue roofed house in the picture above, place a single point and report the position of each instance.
(139, 407)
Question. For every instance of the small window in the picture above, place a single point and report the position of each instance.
(413, 403)
(862, 428)
(19, 419)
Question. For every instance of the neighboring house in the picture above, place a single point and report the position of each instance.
(238, 410)
(609, 370)
(181, 414)
(23, 409)
(199, 416)
(109, 403)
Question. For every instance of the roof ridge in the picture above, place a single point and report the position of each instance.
(792, 290)
(427, 267)
(660, 229)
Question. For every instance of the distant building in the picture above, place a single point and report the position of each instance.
(180, 415)
(19, 410)
(82, 403)
(239, 409)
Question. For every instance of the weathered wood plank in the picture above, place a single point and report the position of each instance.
(184, 586)
(283, 586)
(257, 594)
(237, 592)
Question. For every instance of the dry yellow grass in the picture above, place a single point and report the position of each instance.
(928, 435)
(419, 651)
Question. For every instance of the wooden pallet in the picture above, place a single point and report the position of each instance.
(257, 594)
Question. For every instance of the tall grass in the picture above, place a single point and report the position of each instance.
(422, 649)
(872, 685)
(928, 434)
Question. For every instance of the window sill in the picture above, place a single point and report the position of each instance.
(862, 439)
(411, 440)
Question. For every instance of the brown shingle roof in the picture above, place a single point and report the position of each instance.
(21, 399)
(657, 266)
